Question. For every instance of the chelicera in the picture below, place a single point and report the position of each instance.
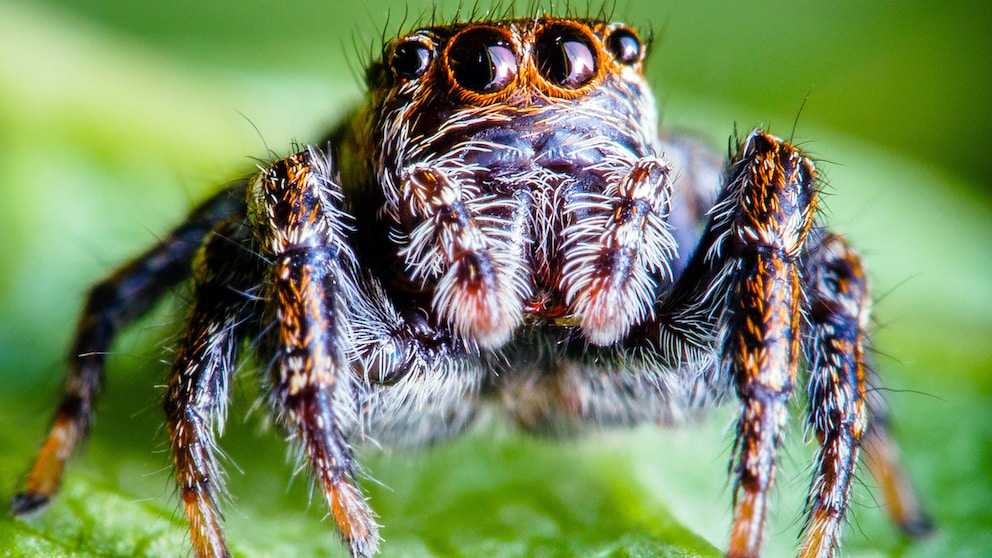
(503, 224)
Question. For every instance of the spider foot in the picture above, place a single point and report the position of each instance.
(45, 476)
(354, 518)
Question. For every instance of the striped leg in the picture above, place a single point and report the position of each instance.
(840, 303)
(740, 294)
(117, 301)
(197, 389)
(749, 256)
(300, 230)
(769, 206)
(845, 414)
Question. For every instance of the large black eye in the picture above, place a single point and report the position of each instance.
(625, 46)
(410, 59)
(565, 56)
(482, 60)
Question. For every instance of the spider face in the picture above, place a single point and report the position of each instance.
(518, 172)
(502, 224)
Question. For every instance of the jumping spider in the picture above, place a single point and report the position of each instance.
(502, 221)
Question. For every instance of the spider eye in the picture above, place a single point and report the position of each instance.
(482, 60)
(565, 56)
(625, 46)
(410, 59)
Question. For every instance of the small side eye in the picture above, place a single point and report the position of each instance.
(625, 46)
(482, 60)
(410, 59)
(565, 56)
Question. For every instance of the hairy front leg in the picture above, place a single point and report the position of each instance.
(111, 305)
(768, 208)
(740, 297)
(748, 262)
(301, 232)
(471, 245)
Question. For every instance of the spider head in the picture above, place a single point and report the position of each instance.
(521, 85)
(490, 143)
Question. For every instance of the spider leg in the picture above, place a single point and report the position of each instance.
(740, 295)
(839, 308)
(768, 211)
(844, 413)
(111, 305)
(197, 391)
(301, 231)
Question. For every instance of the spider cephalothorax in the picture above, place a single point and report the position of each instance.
(503, 152)
(501, 222)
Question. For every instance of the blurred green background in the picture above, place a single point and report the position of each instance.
(116, 117)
